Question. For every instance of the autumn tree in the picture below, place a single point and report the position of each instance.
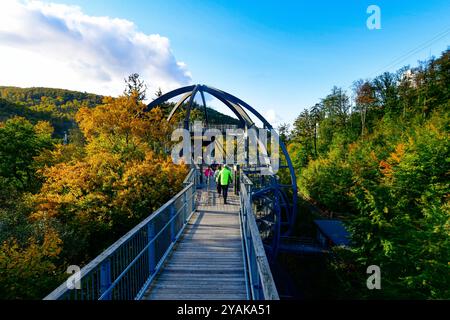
(135, 87)
(121, 126)
(28, 270)
(364, 100)
(122, 178)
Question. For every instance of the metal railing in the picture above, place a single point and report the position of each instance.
(204, 125)
(260, 280)
(125, 270)
(193, 177)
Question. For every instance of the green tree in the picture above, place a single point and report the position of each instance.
(390, 188)
(336, 106)
(283, 132)
(20, 142)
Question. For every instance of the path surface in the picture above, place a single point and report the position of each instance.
(207, 262)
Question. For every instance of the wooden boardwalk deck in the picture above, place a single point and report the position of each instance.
(207, 262)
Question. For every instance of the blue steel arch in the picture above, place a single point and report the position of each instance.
(286, 212)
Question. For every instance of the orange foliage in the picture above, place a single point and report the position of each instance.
(153, 179)
(398, 154)
(385, 168)
(93, 192)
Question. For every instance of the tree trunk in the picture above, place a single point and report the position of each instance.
(315, 139)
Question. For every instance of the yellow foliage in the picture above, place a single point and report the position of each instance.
(67, 184)
(43, 127)
(121, 125)
(99, 190)
(26, 266)
(60, 153)
(387, 166)
(398, 154)
(152, 180)
(373, 156)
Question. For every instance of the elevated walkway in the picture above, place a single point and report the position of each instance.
(207, 262)
(192, 247)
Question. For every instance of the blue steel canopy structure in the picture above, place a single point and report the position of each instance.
(277, 201)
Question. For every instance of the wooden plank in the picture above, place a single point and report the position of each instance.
(207, 263)
(200, 278)
(198, 296)
(202, 288)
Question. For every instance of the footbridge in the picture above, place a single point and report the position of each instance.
(195, 246)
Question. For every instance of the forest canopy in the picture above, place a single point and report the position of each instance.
(63, 201)
(78, 170)
(379, 160)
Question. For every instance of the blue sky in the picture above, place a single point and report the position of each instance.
(281, 57)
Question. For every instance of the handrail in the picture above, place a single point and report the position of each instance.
(127, 267)
(262, 285)
(190, 177)
(246, 180)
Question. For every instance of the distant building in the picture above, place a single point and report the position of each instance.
(332, 233)
(410, 77)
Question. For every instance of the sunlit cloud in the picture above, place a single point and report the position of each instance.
(272, 117)
(57, 45)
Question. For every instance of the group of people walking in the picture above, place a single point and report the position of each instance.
(223, 178)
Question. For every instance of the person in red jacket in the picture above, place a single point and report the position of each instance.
(208, 173)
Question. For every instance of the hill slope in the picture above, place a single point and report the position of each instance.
(59, 106)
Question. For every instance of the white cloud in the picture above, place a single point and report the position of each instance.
(56, 45)
(272, 117)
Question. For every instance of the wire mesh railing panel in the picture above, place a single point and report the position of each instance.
(261, 283)
(126, 268)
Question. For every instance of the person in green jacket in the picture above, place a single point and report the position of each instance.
(226, 178)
